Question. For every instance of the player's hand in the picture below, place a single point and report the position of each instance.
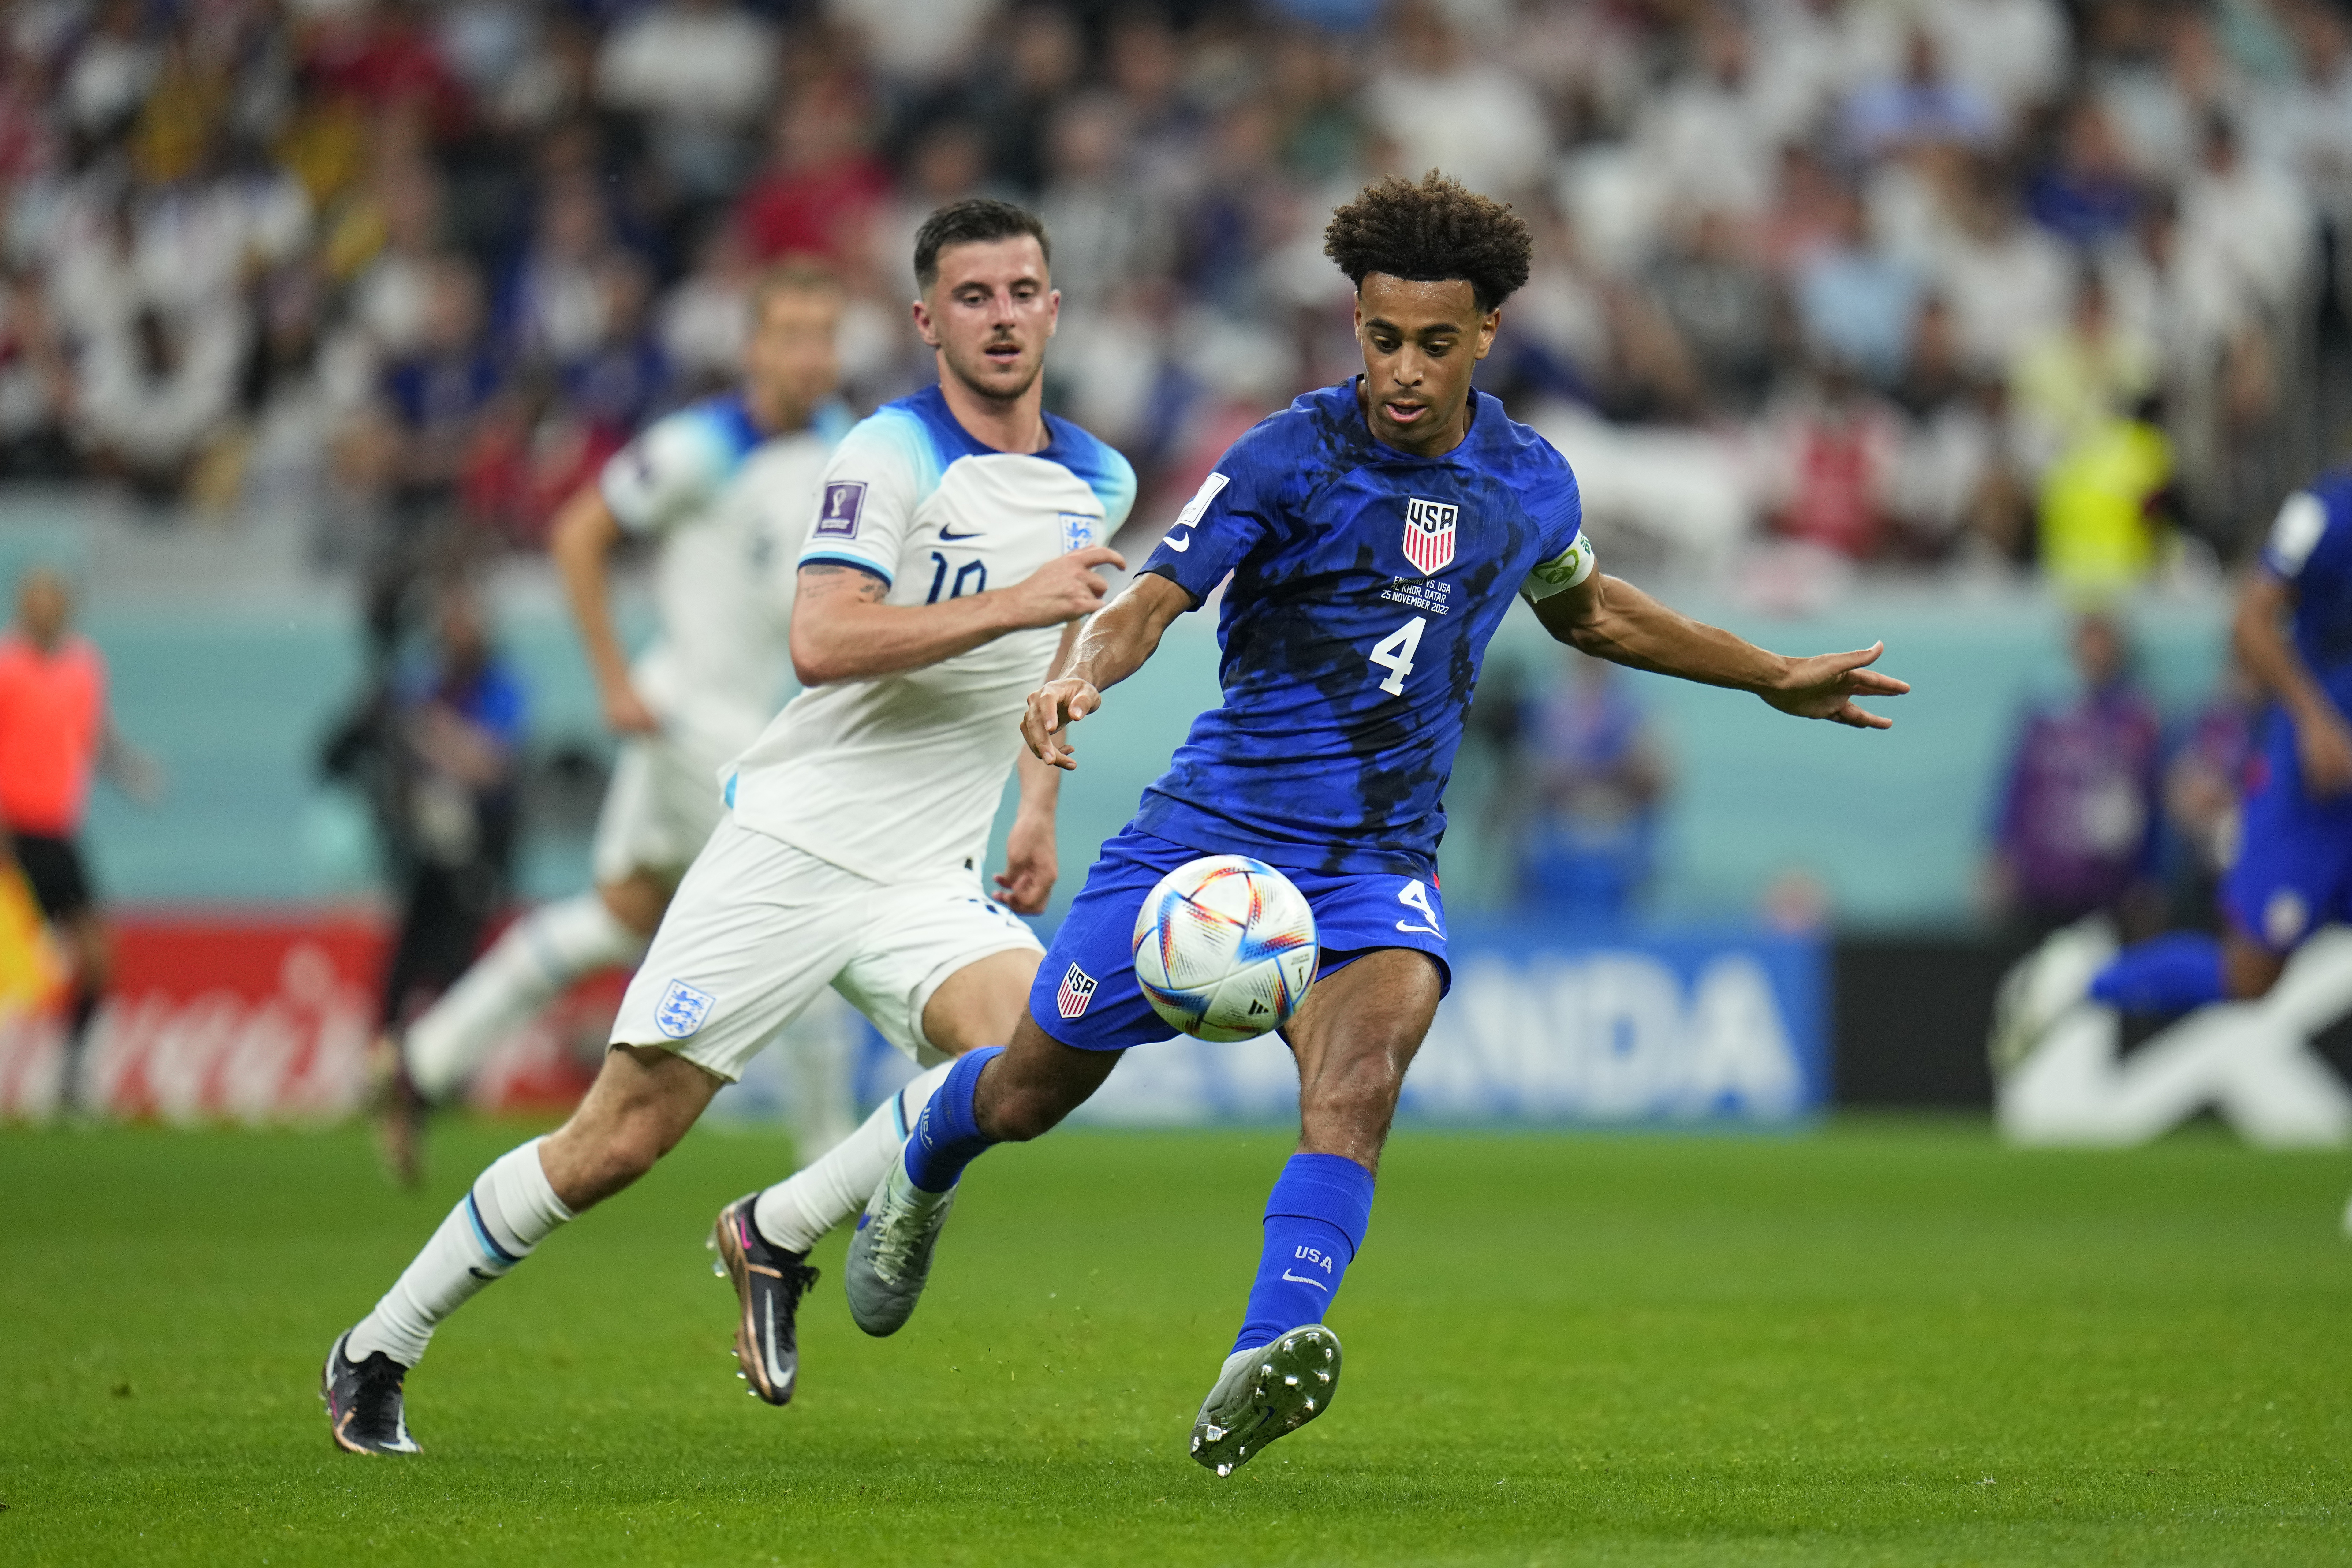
(2325, 752)
(1065, 588)
(1053, 708)
(1032, 863)
(626, 712)
(1825, 687)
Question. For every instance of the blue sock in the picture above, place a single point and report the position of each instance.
(2169, 973)
(947, 1136)
(1315, 1221)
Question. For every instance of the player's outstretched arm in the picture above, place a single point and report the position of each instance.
(1610, 618)
(1110, 647)
(842, 631)
(582, 542)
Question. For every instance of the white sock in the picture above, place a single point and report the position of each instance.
(540, 954)
(793, 1214)
(510, 1210)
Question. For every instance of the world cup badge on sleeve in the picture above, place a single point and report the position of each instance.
(1428, 534)
(844, 499)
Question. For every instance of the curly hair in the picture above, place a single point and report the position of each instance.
(1427, 232)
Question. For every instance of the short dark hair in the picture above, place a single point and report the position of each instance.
(793, 275)
(1428, 232)
(975, 220)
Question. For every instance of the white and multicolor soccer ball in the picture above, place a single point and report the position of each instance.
(1224, 948)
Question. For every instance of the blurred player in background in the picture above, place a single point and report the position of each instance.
(55, 735)
(1375, 534)
(725, 490)
(953, 551)
(2293, 874)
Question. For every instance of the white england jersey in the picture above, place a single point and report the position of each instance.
(731, 507)
(898, 778)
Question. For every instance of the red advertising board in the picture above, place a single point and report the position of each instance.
(262, 1017)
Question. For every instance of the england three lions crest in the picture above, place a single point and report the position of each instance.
(1428, 534)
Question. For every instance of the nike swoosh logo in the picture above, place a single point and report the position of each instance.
(1431, 930)
(1297, 1279)
(1176, 544)
(947, 538)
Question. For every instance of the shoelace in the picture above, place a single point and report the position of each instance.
(375, 1403)
(894, 1249)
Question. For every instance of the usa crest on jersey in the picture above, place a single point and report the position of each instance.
(1428, 534)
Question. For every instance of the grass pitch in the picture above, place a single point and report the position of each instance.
(1888, 1342)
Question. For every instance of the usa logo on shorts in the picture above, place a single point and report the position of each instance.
(1077, 990)
(1428, 534)
(844, 499)
(682, 1010)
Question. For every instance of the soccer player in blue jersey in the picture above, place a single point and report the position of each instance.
(1375, 534)
(2292, 633)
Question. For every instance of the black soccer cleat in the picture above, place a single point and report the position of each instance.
(364, 1404)
(769, 1285)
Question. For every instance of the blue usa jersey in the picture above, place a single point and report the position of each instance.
(2311, 546)
(1366, 585)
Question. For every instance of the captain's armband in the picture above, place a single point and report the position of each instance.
(1560, 573)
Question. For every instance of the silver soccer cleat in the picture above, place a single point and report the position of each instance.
(1265, 1393)
(890, 1256)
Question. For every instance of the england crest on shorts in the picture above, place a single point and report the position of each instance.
(1077, 530)
(1428, 534)
(1077, 990)
(682, 1010)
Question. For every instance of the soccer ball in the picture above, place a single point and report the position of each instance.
(1224, 948)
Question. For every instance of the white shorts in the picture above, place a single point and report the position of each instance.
(659, 810)
(759, 928)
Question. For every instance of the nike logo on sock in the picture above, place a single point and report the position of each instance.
(1301, 1280)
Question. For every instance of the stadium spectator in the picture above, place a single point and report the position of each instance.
(822, 185)
(2076, 830)
(700, 72)
(2204, 786)
(156, 392)
(2107, 503)
(35, 383)
(1725, 191)
(1921, 106)
(1595, 779)
(55, 736)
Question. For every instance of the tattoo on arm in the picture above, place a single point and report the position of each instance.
(868, 587)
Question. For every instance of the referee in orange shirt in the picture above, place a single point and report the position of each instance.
(53, 736)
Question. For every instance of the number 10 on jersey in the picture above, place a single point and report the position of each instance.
(1394, 653)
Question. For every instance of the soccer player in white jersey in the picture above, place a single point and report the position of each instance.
(725, 490)
(953, 554)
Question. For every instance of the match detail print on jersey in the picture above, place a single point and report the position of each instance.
(1428, 534)
(1193, 511)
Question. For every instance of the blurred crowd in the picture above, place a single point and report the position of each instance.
(1997, 282)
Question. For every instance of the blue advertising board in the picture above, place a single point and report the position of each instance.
(1723, 1025)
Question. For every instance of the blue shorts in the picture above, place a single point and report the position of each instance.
(1085, 994)
(2294, 871)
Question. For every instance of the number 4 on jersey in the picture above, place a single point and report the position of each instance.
(1394, 653)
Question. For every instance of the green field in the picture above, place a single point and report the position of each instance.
(1888, 1342)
